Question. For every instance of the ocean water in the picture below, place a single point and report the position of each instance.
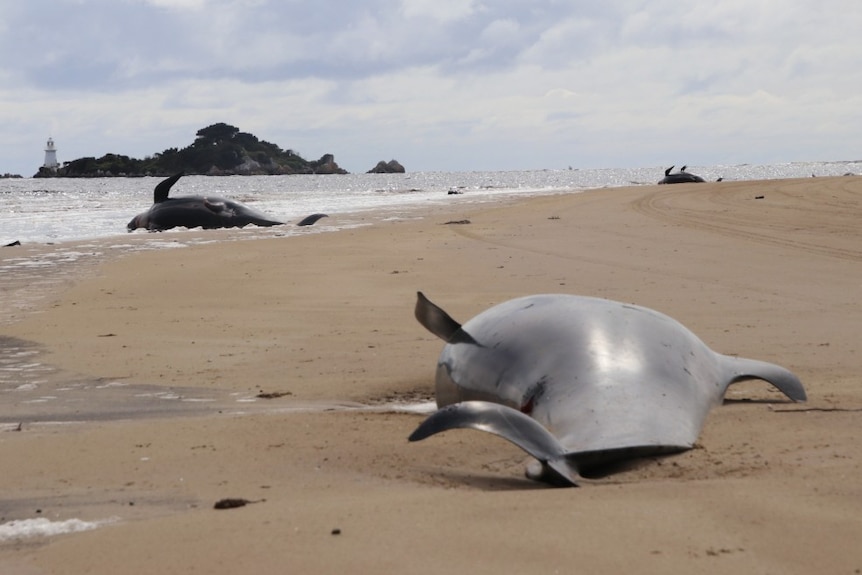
(44, 527)
(62, 210)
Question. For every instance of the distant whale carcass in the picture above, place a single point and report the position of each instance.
(681, 177)
(580, 382)
(208, 212)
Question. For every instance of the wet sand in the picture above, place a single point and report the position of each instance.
(283, 341)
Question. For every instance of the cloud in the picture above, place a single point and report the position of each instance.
(438, 10)
(178, 4)
(452, 84)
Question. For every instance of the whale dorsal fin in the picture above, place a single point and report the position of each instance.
(439, 322)
(160, 193)
(434, 319)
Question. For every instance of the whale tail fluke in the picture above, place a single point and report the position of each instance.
(525, 432)
(784, 380)
(310, 220)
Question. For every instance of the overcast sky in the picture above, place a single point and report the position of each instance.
(438, 84)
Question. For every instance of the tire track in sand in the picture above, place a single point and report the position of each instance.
(792, 214)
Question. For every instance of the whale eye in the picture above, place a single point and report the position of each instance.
(527, 408)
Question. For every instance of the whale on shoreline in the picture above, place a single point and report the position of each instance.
(680, 177)
(581, 383)
(208, 212)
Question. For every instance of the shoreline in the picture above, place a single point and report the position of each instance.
(769, 487)
(83, 209)
(36, 271)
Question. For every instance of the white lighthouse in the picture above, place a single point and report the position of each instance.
(51, 156)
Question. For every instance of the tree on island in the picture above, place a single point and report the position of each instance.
(219, 149)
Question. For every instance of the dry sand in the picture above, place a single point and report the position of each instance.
(326, 320)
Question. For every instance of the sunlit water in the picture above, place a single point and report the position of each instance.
(62, 210)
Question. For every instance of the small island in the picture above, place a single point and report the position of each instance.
(218, 150)
(390, 167)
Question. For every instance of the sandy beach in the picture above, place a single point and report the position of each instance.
(262, 370)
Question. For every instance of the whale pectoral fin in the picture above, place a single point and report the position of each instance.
(214, 206)
(783, 380)
(160, 193)
(510, 424)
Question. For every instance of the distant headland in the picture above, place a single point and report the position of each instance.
(218, 150)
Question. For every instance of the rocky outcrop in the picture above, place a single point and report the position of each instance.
(390, 167)
(326, 165)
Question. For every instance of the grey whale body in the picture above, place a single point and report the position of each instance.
(581, 383)
(208, 212)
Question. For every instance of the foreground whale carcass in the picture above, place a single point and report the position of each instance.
(581, 382)
(208, 212)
